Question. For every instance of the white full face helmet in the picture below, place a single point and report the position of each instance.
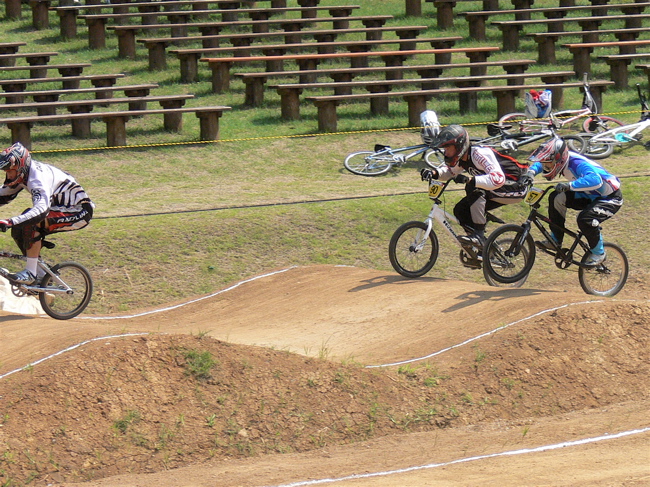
(554, 157)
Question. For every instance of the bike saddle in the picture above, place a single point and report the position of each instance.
(48, 245)
(494, 129)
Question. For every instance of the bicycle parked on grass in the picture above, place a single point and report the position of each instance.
(602, 145)
(509, 253)
(587, 116)
(413, 249)
(64, 291)
(383, 158)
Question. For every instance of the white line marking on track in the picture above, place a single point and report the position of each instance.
(538, 449)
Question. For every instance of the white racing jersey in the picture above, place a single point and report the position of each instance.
(52, 190)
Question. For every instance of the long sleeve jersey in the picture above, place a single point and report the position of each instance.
(586, 177)
(52, 190)
(483, 166)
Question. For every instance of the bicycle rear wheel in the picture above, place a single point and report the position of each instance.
(411, 252)
(596, 149)
(368, 163)
(503, 262)
(434, 158)
(599, 124)
(608, 278)
(57, 300)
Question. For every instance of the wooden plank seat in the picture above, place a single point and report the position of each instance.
(103, 92)
(126, 33)
(11, 47)
(511, 29)
(68, 13)
(32, 58)
(81, 127)
(416, 100)
(582, 52)
(618, 65)
(546, 40)
(68, 82)
(476, 20)
(221, 66)
(20, 126)
(157, 45)
(189, 58)
(290, 93)
(97, 22)
(255, 82)
(72, 69)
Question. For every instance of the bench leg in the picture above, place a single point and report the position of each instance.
(618, 73)
(189, 68)
(477, 28)
(445, 14)
(416, 105)
(413, 8)
(505, 102)
(21, 132)
(81, 128)
(173, 122)
(209, 122)
(254, 92)
(40, 14)
(546, 50)
(327, 119)
(379, 105)
(126, 44)
(290, 103)
(510, 36)
(68, 24)
(220, 77)
(581, 60)
(13, 9)
(96, 34)
(157, 57)
(468, 102)
(116, 130)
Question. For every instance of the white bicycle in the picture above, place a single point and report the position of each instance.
(602, 145)
(414, 247)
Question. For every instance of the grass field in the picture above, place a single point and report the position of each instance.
(176, 218)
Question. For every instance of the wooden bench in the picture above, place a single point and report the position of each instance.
(11, 47)
(81, 127)
(290, 93)
(416, 100)
(221, 66)
(546, 40)
(445, 10)
(68, 82)
(68, 14)
(511, 29)
(116, 122)
(157, 45)
(582, 52)
(254, 82)
(101, 93)
(32, 58)
(618, 64)
(72, 69)
(97, 22)
(477, 20)
(189, 58)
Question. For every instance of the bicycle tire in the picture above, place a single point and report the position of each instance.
(60, 305)
(500, 267)
(433, 159)
(597, 149)
(405, 257)
(608, 278)
(368, 163)
(513, 119)
(575, 143)
(601, 124)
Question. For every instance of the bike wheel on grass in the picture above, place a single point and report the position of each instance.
(502, 261)
(433, 158)
(599, 124)
(608, 278)
(59, 302)
(368, 163)
(411, 252)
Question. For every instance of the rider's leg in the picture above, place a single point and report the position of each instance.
(470, 212)
(27, 237)
(592, 215)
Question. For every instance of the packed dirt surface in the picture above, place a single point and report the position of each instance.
(337, 375)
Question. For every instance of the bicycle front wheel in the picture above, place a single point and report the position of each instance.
(597, 149)
(599, 124)
(608, 278)
(575, 143)
(411, 251)
(434, 158)
(67, 294)
(504, 260)
(367, 163)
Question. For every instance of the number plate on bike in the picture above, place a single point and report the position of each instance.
(533, 196)
(435, 188)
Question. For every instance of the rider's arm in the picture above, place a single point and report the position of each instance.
(40, 186)
(445, 173)
(535, 168)
(485, 161)
(587, 177)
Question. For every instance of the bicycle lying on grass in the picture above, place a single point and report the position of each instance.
(602, 145)
(64, 291)
(413, 249)
(509, 253)
(587, 115)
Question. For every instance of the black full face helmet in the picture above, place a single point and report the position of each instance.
(456, 136)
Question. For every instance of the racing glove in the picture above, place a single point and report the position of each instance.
(562, 187)
(427, 174)
(4, 224)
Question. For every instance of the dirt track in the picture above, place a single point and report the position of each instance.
(373, 318)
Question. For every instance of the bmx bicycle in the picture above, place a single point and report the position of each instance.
(64, 291)
(509, 253)
(413, 249)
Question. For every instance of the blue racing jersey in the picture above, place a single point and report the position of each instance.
(586, 177)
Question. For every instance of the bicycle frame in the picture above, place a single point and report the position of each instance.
(65, 289)
(397, 158)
